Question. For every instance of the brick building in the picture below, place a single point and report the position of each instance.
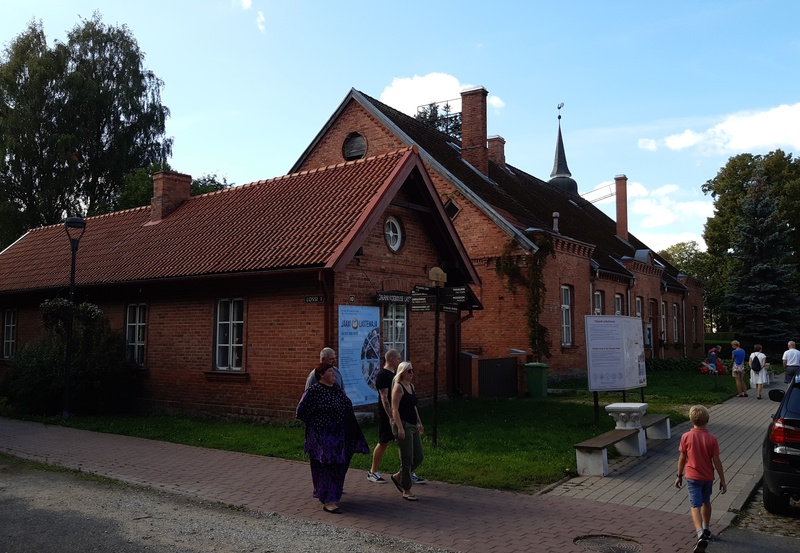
(501, 211)
(227, 298)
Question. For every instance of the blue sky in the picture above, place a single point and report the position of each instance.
(664, 92)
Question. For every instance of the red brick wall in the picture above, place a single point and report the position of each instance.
(353, 119)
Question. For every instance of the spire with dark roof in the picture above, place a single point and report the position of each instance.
(561, 177)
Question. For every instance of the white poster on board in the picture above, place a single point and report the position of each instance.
(614, 353)
(360, 351)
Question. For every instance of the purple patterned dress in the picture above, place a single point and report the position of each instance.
(332, 437)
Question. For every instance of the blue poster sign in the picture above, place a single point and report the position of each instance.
(360, 351)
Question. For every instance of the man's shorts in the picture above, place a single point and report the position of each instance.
(385, 434)
(699, 492)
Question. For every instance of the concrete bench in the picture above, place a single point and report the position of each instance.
(592, 454)
(657, 427)
(633, 427)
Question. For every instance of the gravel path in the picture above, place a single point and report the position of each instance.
(45, 511)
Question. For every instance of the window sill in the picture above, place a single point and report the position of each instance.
(569, 348)
(227, 376)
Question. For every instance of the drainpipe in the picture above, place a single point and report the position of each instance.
(326, 331)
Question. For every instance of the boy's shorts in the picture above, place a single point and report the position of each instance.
(699, 492)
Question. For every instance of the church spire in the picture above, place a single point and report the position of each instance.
(561, 177)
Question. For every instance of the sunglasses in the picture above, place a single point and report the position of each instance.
(410, 371)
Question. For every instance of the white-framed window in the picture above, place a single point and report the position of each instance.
(393, 233)
(566, 316)
(395, 328)
(230, 334)
(639, 302)
(675, 323)
(9, 333)
(664, 321)
(598, 303)
(135, 331)
(619, 305)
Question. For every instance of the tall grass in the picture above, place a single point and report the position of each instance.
(510, 444)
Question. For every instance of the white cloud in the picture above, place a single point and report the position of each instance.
(744, 131)
(496, 102)
(246, 4)
(407, 94)
(666, 190)
(647, 144)
(658, 241)
(260, 21)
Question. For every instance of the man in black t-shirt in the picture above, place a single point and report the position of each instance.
(383, 383)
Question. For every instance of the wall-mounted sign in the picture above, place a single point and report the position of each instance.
(315, 299)
(393, 297)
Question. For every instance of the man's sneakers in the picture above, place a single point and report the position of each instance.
(702, 541)
(376, 478)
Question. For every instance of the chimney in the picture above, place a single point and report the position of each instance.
(473, 128)
(497, 150)
(621, 193)
(169, 191)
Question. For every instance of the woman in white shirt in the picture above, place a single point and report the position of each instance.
(759, 378)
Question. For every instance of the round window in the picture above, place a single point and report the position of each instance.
(354, 147)
(393, 234)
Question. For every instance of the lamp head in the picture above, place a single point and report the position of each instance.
(75, 227)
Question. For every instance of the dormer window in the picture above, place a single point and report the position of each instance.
(451, 209)
(354, 147)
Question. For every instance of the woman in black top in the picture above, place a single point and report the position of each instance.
(407, 428)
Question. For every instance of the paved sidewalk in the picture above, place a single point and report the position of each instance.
(636, 502)
(739, 424)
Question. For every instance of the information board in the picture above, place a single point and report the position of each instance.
(360, 351)
(614, 353)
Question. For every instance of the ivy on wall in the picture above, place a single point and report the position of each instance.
(531, 277)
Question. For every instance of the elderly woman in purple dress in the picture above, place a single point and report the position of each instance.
(332, 436)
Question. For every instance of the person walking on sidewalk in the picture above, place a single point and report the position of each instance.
(699, 456)
(407, 427)
(758, 370)
(791, 363)
(327, 358)
(332, 436)
(383, 383)
(738, 369)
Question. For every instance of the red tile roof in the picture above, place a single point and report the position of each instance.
(306, 220)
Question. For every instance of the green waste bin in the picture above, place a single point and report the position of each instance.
(536, 375)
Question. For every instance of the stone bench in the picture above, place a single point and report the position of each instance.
(633, 427)
(657, 427)
(592, 454)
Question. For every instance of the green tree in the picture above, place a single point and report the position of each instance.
(727, 188)
(75, 119)
(138, 188)
(689, 259)
(761, 295)
(441, 118)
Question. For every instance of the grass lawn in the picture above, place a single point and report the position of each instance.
(510, 444)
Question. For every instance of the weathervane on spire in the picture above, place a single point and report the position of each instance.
(561, 105)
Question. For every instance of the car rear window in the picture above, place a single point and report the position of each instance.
(792, 407)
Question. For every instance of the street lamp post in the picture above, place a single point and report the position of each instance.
(74, 227)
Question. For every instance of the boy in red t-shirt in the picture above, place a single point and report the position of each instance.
(699, 456)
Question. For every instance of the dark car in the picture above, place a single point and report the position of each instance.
(781, 451)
